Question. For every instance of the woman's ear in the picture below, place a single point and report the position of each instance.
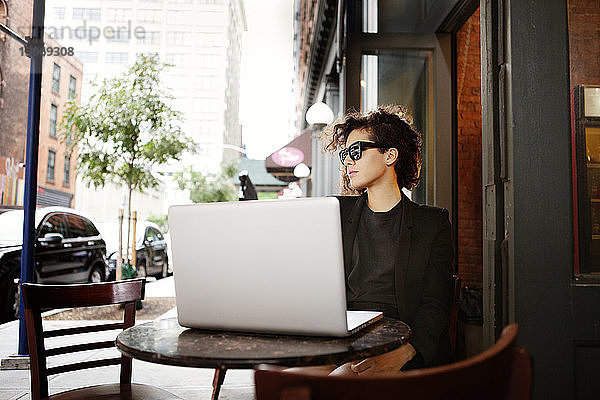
(391, 156)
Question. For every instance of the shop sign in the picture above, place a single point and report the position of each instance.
(288, 157)
(11, 187)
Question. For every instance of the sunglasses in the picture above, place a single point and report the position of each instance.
(355, 150)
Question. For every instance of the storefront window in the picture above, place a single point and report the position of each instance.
(587, 139)
(402, 77)
(584, 17)
(405, 16)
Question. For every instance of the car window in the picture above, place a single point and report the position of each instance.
(157, 234)
(90, 228)
(150, 235)
(77, 226)
(54, 224)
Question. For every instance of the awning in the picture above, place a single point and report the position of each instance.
(281, 163)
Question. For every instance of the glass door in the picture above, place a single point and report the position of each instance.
(402, 76)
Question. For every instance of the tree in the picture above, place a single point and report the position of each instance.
(161, 220)
(125, 129)
(209, 188)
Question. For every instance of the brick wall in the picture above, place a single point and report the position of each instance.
(584, 42)
(470, 222)
(14, 73)
(14, 86)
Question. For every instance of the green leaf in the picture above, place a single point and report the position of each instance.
(125, 128)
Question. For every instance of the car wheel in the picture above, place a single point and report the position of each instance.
(165, 268)
(141, 269)
(10, 303)
(96, 275)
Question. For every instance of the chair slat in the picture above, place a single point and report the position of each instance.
(83, 329)
(84, 365)
(80, 347)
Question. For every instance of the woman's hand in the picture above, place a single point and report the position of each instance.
(390, 362)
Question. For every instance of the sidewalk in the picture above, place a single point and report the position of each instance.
(188, 383)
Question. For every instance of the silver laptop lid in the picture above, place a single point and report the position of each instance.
(266, 266)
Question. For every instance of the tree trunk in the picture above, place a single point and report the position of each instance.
(119, 271)
(128, 222)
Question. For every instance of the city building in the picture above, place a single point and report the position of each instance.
(506, 98)
(62, 77)
(61, 82)
(201, 42)
(200, 39)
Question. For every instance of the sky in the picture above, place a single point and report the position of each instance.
(266, 103)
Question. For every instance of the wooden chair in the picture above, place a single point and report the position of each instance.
(501, 372)
(37, 297)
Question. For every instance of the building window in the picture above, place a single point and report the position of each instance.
(93, 14)
(87, 56)
(178, 38)
(66, 176)
(118, 35)
(53, 118)
(149, 15)
(59, 12)
(149, 38)
(3, 14)
(72, 87)
(51, 163)
(116, 58)
(119, 14)
(56, 79)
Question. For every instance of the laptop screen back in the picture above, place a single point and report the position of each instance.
(262, 266)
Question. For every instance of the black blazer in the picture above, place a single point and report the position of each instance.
(423, 273)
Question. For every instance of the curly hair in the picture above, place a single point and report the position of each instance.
(388, 125)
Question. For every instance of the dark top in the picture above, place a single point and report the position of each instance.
(166, 342)
(371, 280)
(422, 272)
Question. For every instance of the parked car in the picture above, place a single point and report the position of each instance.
(68, 249)
(151, 249)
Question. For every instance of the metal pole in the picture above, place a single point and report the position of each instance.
(31, 159)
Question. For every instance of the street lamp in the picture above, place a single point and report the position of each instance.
(301, 171)
(319, 115)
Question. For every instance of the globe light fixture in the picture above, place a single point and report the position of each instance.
(319, 114)
(301, 171)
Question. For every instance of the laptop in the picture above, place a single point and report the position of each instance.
(267, 266)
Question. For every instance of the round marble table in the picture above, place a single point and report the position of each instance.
(166, 342)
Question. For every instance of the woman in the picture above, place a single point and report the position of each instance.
(397, 254)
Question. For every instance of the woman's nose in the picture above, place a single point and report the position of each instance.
(348, 160)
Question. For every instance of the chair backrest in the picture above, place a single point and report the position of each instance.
(501, 372)
(453, 322)
(37, 297)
